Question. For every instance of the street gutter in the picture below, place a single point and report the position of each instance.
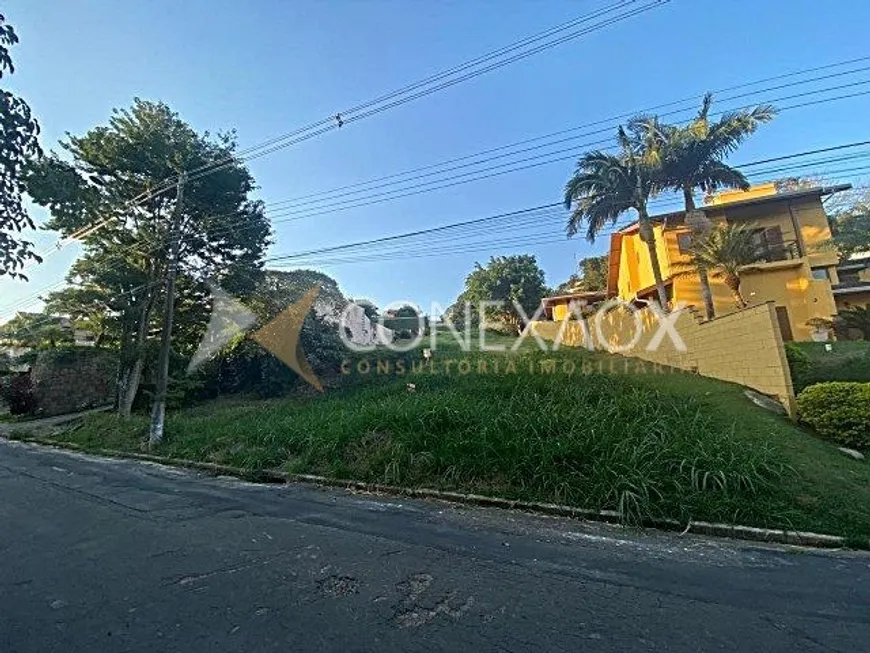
(274, 476)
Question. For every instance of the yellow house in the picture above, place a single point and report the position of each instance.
(853, 284)
(558, 307)
(797, 270)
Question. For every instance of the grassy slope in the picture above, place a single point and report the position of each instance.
(649, 444)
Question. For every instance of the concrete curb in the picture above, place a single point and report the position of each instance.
(750, 533)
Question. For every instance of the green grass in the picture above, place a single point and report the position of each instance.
(849, 360)
(648, 444)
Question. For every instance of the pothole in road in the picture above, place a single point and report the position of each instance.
(336, 586)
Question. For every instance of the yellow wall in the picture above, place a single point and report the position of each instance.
(744, 347)
(816, 233)
(792, 287)
(761, 190)
(635, 268)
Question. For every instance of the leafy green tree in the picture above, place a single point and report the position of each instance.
(511, 280)
(244, 366)
(692, 157)
(371, 311)
(36, 331)
(605, 186)
(723, 251)
(89, 310)
(850, 225)
(406, 311)
(223, 233)
(18, 146)
(591, 276)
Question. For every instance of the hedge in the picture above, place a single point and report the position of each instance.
(839, 410)
(799, 363)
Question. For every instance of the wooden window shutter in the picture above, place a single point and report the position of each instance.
(775, 242)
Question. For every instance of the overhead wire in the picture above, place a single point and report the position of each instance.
(766, 171)
(470, 177)
(233, 226)
(344, 116)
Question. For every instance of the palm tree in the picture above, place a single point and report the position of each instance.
(605, 186)
(722, 252)
(692, 159)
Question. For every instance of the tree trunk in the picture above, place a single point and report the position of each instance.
(647, 235)
(130, 377)
(129, 388)
(699, 231)
(706, 292)
(733, 284)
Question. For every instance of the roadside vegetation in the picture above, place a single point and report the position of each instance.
(811, 362)
(575, 427)
(614, 434)
(848, 360)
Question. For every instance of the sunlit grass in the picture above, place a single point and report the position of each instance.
(647, 442)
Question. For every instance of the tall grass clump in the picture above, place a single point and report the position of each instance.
(595, 441)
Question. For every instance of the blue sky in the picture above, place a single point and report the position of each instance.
(267, 67)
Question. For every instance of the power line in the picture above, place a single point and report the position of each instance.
(473, 176)
(392, 195)
(239, 224)
(34, 297)
(534, 213)
(377, 105)
(378, 198)
(477, 175)
(368, 244)
(337, 192)
(610, 15)
(367, 254)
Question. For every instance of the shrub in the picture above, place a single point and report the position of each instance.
(19, 395)
(838, 410)
(799, 363)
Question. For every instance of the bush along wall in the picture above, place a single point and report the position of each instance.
(838, 410)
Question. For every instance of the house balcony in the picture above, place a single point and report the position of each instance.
(785, 251)
(781, 255)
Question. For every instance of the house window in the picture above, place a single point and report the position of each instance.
(821, 274)
(684, 242)
(769, 244)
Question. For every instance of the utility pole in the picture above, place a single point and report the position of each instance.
(158, 411)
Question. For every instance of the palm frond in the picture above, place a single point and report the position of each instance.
(722, 253)
(732, 128)
(692, 155)
(706, 103)
(604, 186)
(727, 248)
(716, 175)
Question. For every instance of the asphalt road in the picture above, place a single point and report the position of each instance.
(100, 555)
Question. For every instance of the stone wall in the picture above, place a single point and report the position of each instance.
(72, 379)
(744, 347)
